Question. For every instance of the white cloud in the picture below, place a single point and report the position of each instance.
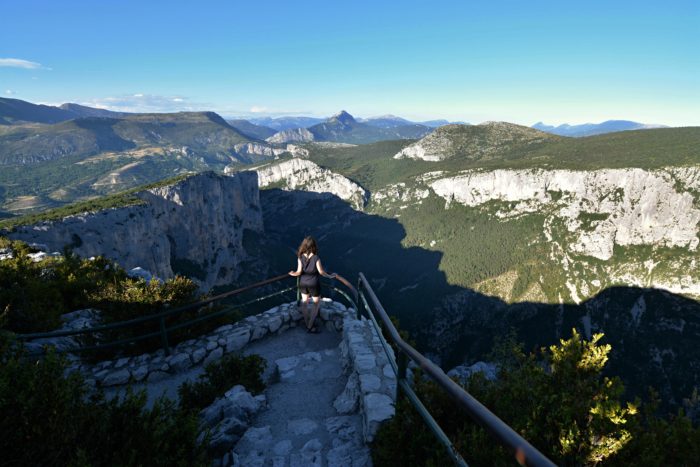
(10, 92)
(147, 103)
(19, 63)
(258, 109)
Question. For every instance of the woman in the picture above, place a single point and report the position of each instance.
(310, 269)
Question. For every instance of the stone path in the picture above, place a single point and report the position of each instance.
(325, 398)
(300, 426)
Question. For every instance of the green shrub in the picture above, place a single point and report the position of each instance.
(219, 377)
(28, 292)
(52, 419)
(558, 400)
(34, 295)
(132, 298)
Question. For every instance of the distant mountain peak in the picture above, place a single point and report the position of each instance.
(590, 129)
(343, 117)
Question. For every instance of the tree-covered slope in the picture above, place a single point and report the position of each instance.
(47, 165)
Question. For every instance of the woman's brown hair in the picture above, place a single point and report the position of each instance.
(308, 245)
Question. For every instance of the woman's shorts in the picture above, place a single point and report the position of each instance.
(314, 291)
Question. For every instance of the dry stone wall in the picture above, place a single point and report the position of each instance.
(156, 366)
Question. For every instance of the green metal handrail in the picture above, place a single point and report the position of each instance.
(161, 316)
(523, 451)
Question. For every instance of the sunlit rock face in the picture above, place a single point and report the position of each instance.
(302, 174)
(603, 208)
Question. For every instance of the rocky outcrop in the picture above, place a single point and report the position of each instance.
(301, 174)
(601, 208)
(228, 417)
(296, 135)
(400, 192)
(194, 227)
(462, 373)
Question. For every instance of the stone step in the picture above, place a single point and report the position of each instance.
(305, 445)
(301, 426)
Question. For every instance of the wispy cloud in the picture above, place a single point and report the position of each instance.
(20, 63)
(265, 111)
(10, 92)
(139, 102)
(258, 109)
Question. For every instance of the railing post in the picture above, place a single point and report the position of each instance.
(164, 336)
(402, 364)
(360, 305)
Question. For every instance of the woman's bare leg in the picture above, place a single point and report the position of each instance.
(304, 312)
(314, 313)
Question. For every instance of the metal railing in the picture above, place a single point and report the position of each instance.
(523, 451)
(165, 330)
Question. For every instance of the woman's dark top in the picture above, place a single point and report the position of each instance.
(310, 279)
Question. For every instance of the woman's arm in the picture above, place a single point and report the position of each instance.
(322, 271)
(298, 271)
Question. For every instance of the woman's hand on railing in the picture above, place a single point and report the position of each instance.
(294, 273)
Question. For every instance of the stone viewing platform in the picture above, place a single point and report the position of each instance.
(326, 393)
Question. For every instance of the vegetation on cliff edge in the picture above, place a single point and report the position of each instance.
(558, 400)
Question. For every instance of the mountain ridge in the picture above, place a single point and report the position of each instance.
(592, 129)
(344, 128)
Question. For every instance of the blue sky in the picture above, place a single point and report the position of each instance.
(522, 62)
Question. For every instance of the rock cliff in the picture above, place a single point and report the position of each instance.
(599, 228)
(601, 208)
(301, 174)
(194, 227)
(296, 135)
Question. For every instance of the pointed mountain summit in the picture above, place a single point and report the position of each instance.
(343, 118)
(343, 128)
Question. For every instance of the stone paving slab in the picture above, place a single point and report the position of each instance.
(301, 427)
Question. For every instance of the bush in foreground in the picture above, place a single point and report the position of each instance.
(33, 295)
(52, 419)
(558, 400)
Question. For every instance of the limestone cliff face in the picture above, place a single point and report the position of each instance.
(296, 135)
(600, 228)
(257, 151)
(302, 174)
(194, 226)
(603, 208)
(260, 152)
